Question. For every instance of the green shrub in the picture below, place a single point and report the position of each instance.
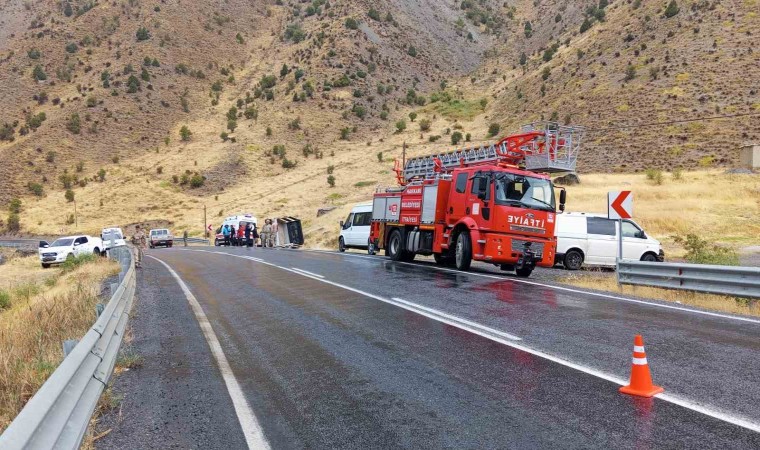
(102, 175)
(197, 180)
(412, 116)
(71, 47)
(13, 223)
(630, 72)
(288, 164)
(364, 183)
(672, 9)
(330, 169)
(5, 299)
(74, 124)
(69, 195)
(72, 263)
(374, 14)
(295, 33)
(654, 175)
(331, 180)
(36, 189)
(411, 51)
(379, 156)
(699, 251)
(38, 73)
(456, 138)
(351, 23)
(400, 126)
(14, 206)
(34, 54)
(493, 129)
(677, 174)
(185, 133)
(142, 34)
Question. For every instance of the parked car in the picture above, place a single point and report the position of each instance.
(592, 239)
(354, 232)
(239, 222)
(112, 234)
(160, 237)
(67, 248)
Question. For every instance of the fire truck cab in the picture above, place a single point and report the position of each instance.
(475, 205)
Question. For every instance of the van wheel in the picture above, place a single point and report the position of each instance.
(394, 246)
(573, 260)
(649, 257)
(463, 252)
(341, 245)
(45, 266)
(96, 251)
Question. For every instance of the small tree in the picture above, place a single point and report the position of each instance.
(14, 223)
(231, 125)
(523, 59)
(14, 207)
(142, 34)
(38, 73)
(411, 51)
(145, 75)
(425, 125)
(351, 23)
(400, 126)
(69, 195)
(493, 129)
(74, 124)
(344, 132)
(102, 175)
(630, 72)
(133, 84)
(331, 180)
(456, 137)
(330, 169)
(379, 156)
(412, 116)
(528, 29)
(36, 189)
(374, 14)
(67, 10)
(672, 9)
(185, 133)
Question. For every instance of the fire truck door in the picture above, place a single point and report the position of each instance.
(479, 199)
(458, 198)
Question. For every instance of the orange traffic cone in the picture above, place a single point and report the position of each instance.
(641, 380)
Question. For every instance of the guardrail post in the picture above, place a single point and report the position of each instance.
(68, 346)
(99, 307)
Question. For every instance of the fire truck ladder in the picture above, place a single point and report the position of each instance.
(546, 147)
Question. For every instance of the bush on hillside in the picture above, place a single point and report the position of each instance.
(74, 123)
(493, 129)
(185, 133)
(400, 126)
(700, 251)
(672, 9)
(39, 74)
(331, 180)
(425, 125)
(142, 34)
(456, 138)
(69, 195)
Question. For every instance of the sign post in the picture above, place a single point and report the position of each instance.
(619, 207)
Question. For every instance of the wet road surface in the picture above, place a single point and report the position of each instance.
(325, 360)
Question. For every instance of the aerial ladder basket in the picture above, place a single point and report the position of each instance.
(539, 147)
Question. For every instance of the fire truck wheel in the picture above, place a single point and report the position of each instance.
(573, 260)
(463, 253)
(524, 272)
(341, 245)
(371, 248)
(408, 256)
(394, 250)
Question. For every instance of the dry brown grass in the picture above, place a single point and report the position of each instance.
(706, 301)
(33, 329)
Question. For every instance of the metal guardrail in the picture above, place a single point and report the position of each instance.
(59, 413)
(192, 240)
(734, 281)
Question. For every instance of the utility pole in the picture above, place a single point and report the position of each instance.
(205, 225)
(76, 219)
(403, 155)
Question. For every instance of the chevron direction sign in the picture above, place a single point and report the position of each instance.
(620, 205)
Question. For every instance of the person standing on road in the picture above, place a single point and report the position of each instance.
(247, 234)
(233, 236)
(184, 237)
(267, 234)
(254, 235)
(226, 234)
(140, 242)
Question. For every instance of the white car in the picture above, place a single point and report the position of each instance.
(354, 232)
(592, 239)
(112, 234)
(69, 247)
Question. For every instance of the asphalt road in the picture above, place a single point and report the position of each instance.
(349, 351)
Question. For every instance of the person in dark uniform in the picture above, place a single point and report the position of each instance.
(247, 234)
(233, 236)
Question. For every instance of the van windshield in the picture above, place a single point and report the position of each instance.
(527, 192)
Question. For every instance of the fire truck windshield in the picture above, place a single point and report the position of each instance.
(527, 192)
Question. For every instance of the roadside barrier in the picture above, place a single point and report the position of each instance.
(59, 413)
(641, 379)
(733, 281)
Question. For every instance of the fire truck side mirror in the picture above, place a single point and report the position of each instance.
(562, 199)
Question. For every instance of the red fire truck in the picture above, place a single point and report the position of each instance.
(494, 203)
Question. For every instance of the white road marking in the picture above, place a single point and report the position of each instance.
(300, 270)
(676, 400)
(254, 435)
(559, 288)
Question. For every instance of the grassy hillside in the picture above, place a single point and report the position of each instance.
(153, 109)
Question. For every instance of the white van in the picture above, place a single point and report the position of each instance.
(354, 232)
(591, 239)
(239, 222)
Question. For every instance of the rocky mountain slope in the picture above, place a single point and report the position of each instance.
(150, 109)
